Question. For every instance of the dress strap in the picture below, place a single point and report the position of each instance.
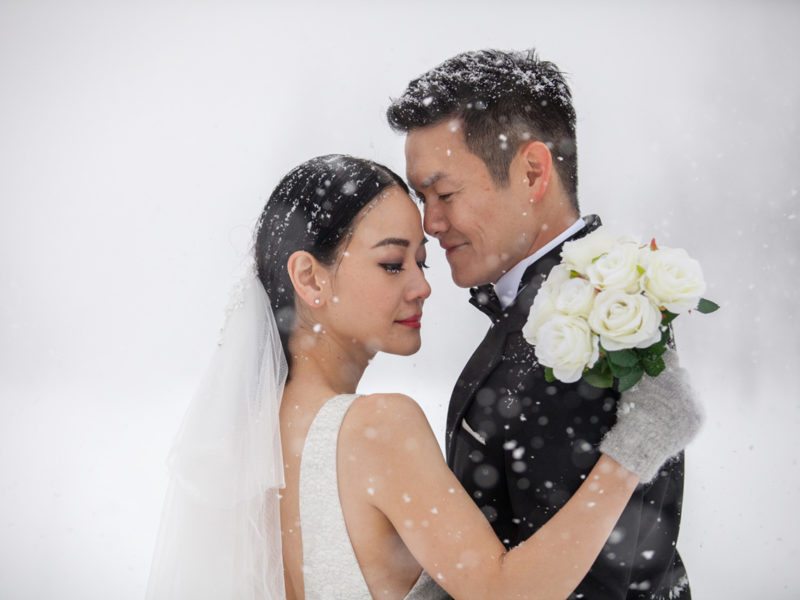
(330, 567)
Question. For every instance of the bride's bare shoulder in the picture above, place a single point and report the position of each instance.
(388, 442)
(386, 418)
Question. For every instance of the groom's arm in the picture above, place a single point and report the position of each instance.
(551, 434)
(544, 475)
(657, 567)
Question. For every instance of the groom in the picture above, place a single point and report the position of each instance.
(491, 153)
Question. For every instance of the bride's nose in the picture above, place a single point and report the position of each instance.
(418, 287)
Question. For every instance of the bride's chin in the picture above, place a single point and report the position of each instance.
(398, 347)
(407, 349)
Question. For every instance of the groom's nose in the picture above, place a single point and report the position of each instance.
(434, 220)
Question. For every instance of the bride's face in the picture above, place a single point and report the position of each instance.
(378, 286)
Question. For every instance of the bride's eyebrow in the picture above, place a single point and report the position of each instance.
(393, 242)
(398, 242)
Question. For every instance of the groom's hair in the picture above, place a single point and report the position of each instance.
(504, 99)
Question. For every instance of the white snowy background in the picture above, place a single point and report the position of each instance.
(138, 142)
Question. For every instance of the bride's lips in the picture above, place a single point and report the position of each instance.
(412, 321)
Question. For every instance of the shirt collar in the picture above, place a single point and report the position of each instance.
(507, 286)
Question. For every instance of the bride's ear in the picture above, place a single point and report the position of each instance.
(308, 277)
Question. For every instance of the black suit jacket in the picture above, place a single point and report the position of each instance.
(522, 446)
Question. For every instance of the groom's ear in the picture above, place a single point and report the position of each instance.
(537, 163)
(308, 278)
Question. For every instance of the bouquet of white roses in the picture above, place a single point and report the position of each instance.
(604, 312)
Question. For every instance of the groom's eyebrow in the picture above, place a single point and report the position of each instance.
(429, 181)
(425, 183)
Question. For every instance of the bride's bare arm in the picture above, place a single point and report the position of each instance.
(407, 479)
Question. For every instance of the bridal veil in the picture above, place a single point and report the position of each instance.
(220, 529)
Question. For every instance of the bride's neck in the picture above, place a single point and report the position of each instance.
(318, 359)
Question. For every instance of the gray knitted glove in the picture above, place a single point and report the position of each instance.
(656, 419)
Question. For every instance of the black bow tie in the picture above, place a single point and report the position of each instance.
(485, 300)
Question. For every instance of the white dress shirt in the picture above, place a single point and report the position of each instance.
(507, 286)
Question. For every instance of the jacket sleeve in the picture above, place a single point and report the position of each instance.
(550, 447)
(550, 441)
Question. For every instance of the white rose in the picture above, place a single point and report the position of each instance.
(625, 320)
(575, 297)
(673, 279)
(617, 269)
(544, 304)
(555, 279)
(568, 346)
(579, 254)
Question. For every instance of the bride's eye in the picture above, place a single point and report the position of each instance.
(392, 267)
(422, 265)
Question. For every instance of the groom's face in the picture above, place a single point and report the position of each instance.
(483, 227)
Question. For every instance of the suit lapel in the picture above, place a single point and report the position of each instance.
(490, 351)
(482, 362)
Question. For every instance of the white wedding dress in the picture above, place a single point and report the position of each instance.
(220, 536)
(330, 566)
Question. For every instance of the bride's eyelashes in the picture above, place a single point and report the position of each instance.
(395, 268)
(392, 267)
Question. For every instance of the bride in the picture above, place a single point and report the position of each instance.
(295, 486)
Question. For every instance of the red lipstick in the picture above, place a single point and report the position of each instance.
(413, 321)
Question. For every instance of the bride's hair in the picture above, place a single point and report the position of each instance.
(312, 209)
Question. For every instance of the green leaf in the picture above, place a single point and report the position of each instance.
(667, 317)
(599, 375)
(653, 365)
(652, 352)
(630, 379)
(656, 349)
(598, 380)
(640, 270)
(549, 377)
(616, 370)
(620, 372)
(573, 274)
(707, 306)
(623, 358)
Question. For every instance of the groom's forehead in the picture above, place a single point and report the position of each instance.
(433, 143)
(427, 164)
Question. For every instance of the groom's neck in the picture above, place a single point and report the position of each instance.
(551, 229)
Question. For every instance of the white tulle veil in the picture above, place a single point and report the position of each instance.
(220, 529)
